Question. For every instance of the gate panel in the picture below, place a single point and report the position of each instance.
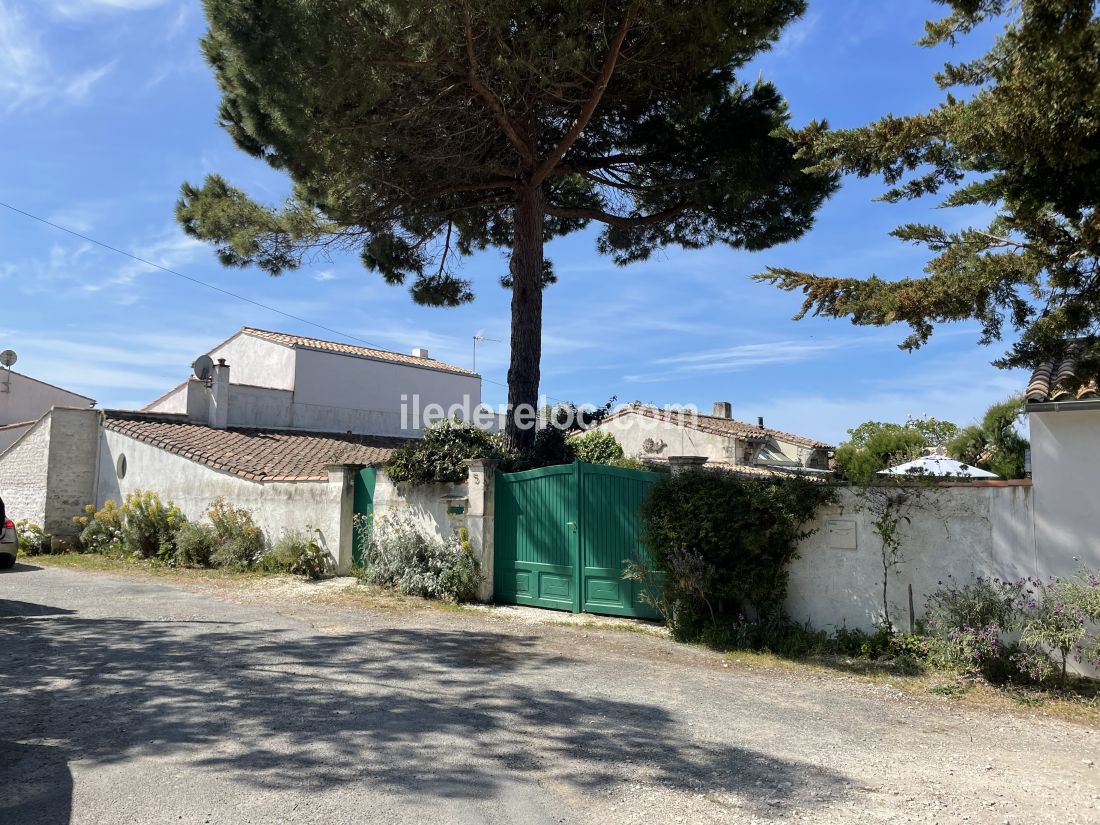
(610, 500)
(536, 540)
(364, 511)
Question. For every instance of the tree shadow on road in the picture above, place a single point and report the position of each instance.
(425, 713)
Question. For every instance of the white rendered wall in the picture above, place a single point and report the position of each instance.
(9, 435)
(955, 532)
(275, 506)
(257, 362)
(1065, 468)
(29, 400)
(327, 384)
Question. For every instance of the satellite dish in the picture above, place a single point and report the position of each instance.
(203, 367)
(8, 358)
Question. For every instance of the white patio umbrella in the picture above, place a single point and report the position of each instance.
(936, 466)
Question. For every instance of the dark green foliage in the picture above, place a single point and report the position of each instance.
(890, 445)
(936, 433)
(441, 454)
(595, 447)
(995, 444)
(240, 543)
(738, 536)
(550, 448)
(195, 545)
(297, 552)
(1022, 141)
(418, 133)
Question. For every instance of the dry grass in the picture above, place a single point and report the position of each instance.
(1080, 704)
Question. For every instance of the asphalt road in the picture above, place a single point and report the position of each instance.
(130, 701)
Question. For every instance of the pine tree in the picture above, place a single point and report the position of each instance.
(421, 132)
(1027, 142)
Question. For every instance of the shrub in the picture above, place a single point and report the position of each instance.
(550, 448)
(101, 530)
(724, 542)
(297, 552)
(239, 541)
(595, 447)
(1056, 623)
(966, 626)
(150, 525)
(195, 545)
(401, 554)
(441, 454)
(32, 538)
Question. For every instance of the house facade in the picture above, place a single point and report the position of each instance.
(277, 423)
(23, 400)
(653, 434)
(1063, 411)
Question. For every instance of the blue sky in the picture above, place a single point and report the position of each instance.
(107, 107)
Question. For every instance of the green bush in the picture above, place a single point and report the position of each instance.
(399, 553)
(239, 541)
(101, 531)
(441, 454)
(195, 545)
(150, 525)
(32, 538)
(297, 552)
(723, 544)
(551, 447)
(595, 447)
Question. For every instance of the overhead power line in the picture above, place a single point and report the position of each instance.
(200, 282)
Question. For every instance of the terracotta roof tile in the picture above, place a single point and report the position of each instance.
(1058, 381)
(255, 454)
(302, 341)
(719, 426)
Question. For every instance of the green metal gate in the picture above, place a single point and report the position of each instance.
(364, 511)
(563, 535)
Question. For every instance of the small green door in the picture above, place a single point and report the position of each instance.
(564, 535)
(364, 512)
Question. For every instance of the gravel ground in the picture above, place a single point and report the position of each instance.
(128, 700)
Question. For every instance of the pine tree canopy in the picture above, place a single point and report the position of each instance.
(420, 132)
(1025, 141)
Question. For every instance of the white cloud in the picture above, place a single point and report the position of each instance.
(737, 358)
(28, 78)
(325, 275)
(84, 8)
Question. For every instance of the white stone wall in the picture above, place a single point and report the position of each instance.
(9, 435)
(258, 362)
(23, 474)
(1065, 465)
(958, 531)
(275, 506)
(70, 484)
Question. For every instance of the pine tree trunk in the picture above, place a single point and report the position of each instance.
(526, 268)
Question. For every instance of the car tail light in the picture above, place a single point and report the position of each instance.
(9, 524)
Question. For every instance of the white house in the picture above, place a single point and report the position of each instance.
(653, 434)
(276, 380)
(23, 400)
(1064, 414)
(280, 425)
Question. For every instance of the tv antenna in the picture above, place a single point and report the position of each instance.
(481, 338)
(7, 361)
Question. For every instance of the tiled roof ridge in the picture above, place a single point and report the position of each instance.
(1054, 380)
(253, 453)
(717, 424)
(308, 342)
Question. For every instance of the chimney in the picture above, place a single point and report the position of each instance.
(723, 409)
(760, 421)
(219, 396)
(420, 352)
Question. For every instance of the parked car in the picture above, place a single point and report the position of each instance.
(9, 545)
